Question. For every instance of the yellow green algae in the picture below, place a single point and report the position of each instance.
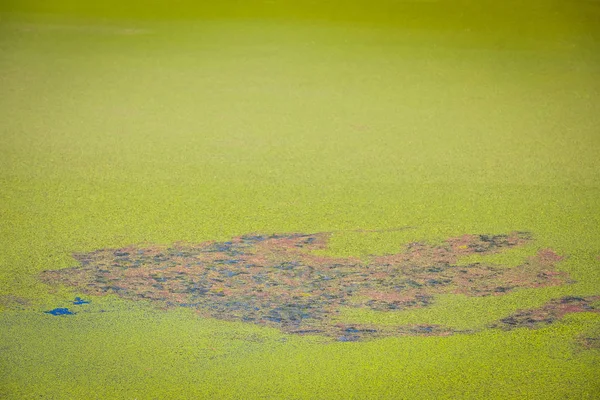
(118, 130)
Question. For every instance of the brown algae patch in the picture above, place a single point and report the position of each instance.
(275, 280)
(550, 313)
(590, 340)
(12, 302)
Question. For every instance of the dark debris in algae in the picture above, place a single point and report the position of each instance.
(549, 313)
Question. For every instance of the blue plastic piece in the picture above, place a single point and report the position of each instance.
(60, 311)
(79, 301)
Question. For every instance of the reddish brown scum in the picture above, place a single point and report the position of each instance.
(277, 281)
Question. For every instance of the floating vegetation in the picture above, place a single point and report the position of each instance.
(12, 302)
(549, 313)
(590, 339)
(278, 281)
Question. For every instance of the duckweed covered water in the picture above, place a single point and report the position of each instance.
(128, 128)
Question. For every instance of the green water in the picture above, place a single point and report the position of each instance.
(124, 124)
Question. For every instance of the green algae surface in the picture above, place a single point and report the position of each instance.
(121, 128)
